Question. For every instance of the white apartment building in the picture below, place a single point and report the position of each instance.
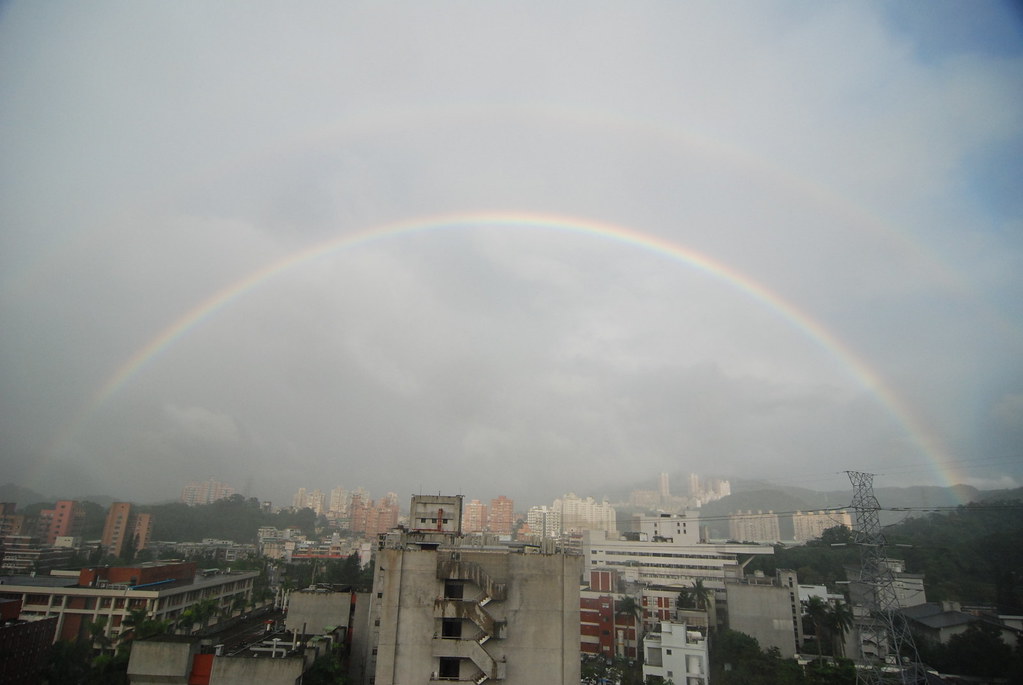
(578, 514)
(544, 522)
(676, 653)
(205, 492)
(811, 525)
(750, 527)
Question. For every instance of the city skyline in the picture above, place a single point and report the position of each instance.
(509, 250)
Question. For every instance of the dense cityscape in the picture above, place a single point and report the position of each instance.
(339, 587)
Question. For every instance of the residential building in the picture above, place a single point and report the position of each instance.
(750, 527)
(11, 522)
(501, 519)
(767, 609)
(811, 525)
(205, 492)
(339, 501)
(707, 491)
(474, 517)
(65, 519)
(544, 522)
(372, 518)
(298, 501)
(24, 554)
(121, 526)
(605, 629)
(937, 622)
(660, 603)
(578, 514)
(163, 589)
(441, 610)
(676, 653)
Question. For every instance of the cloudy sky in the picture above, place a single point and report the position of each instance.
(518, 248)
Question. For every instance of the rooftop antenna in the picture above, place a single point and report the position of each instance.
(901, 664)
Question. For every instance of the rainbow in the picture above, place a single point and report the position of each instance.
(208, 308)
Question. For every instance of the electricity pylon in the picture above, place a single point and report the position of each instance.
(880, 598)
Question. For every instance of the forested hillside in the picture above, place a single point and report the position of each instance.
(972, 554)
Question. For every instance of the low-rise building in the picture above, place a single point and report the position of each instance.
(669, 560)
(163, 589)
(676, 653)
(183, 660)
(608, 627)
(23, 554)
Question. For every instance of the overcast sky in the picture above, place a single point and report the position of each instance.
(808, 257)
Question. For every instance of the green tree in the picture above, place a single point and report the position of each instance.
(736, 659)
(98, 633)
(979, 651)
(69, 663)
(838, 620)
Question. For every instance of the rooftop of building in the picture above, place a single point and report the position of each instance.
(68, 581)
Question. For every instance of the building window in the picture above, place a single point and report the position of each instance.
(451, 628)
(449, 668)
(454, 589)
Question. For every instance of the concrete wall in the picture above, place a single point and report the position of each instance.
(763, 612)
(359, 636)
(312, 612)
(242, 671)
(162, 661)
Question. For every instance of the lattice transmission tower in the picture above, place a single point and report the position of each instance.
(897, 659)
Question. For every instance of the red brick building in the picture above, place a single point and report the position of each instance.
(606, 627)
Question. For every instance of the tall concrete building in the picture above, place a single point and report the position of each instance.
(205, 492)
(750, 527)
(544, 522)
(474, 517)
(578, 514)
(65, 519)
(124, 524)
(117, 528)
(502, 515)
(441, 610)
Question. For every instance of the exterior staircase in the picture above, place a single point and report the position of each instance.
(472, 610)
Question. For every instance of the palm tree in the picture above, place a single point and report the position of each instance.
(839, 620)
(699, 597)
(98, 633)
(628, 606)
(817, 610)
